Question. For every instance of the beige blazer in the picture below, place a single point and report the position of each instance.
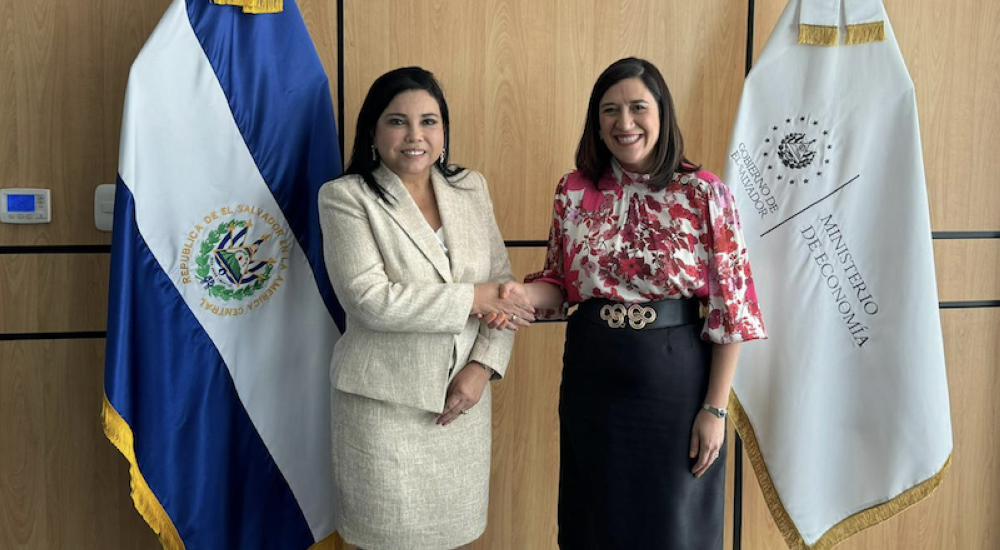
(407, 302)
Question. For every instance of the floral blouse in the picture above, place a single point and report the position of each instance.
(626, 241)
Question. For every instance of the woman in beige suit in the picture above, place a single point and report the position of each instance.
(416, 258)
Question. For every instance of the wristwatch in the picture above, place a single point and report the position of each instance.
(721, 413)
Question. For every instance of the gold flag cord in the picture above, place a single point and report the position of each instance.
(254, 6)
(120, 434)
(847, 527)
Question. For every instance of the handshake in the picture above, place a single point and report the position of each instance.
(503, 306)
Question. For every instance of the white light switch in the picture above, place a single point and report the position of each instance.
(104, 207)
(25, 206)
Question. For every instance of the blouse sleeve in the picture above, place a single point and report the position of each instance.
(553, 271)
(733, 312)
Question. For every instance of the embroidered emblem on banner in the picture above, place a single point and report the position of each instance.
(235, 258)
(797, 151)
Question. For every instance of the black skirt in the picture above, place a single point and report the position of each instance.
(628, 401)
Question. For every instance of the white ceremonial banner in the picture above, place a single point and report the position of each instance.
(844, 409)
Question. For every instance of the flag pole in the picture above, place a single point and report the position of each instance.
(738, 447)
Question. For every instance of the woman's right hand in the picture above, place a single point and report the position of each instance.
(501, 300)
(499, 321)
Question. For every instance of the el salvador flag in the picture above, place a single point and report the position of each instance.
(221, 320)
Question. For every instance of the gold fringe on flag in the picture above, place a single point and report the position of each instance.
(255, 6)
(865, 32)
(846, 528)
(333, 542)
(818, 35)
(146, 503)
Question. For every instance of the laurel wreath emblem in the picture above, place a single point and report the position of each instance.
(204, 270)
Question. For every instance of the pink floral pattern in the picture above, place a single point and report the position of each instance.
(626, 241)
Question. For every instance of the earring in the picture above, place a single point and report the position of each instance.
(374, 153)
(442, 155)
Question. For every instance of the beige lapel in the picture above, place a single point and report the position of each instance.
(407, 214)
(454, 199)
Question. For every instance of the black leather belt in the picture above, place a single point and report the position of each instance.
(659, 314)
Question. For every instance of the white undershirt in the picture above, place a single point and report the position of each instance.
(440, 237)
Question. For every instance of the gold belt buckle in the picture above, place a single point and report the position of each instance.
(638, 316)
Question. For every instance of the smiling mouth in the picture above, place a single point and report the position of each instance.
(627, 139)
(413, 152)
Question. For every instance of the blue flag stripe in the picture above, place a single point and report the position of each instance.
(188, 421)
(280, 98)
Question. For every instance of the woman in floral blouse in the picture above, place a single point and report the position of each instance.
(650, 247)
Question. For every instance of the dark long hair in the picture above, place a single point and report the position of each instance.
(380, 95)
(593, 157)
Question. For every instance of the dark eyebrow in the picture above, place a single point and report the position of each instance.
(633, 102)
(435, 115)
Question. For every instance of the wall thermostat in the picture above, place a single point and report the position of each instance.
(25, 206)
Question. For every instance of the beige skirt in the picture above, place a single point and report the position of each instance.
(405, 483)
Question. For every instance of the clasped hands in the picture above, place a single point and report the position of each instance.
(503, 306)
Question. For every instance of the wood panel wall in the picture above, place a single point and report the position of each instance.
(53, 293)
(517, 74)
(968, 269)
(62, 485)
(62, 77)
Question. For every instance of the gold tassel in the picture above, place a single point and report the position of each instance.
(255, 6)
(846, 528)
(146, 503)
(818, 35)
(865, 33)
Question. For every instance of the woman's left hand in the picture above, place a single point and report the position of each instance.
(464, 392)
(707, 435)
